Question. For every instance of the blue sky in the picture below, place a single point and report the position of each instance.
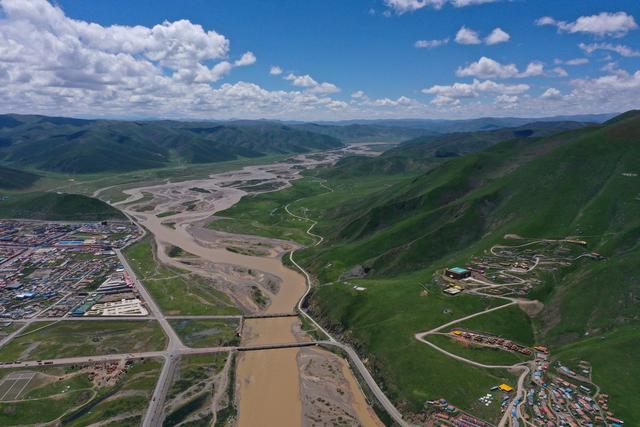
(338, 59)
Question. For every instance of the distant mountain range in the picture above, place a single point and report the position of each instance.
(467, 125)
(71, 145)
(88, 146)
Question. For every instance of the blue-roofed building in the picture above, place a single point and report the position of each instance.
(458, 273)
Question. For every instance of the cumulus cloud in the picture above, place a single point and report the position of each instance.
(430, 44)
(248, 58)
(486, 68)
(404, 6)
(507, 100)
(275, 70)
(309, 83)
(551, 93)
(604, 24)
(620, 49)
(497, 36)
(452, 94)
(467, 36)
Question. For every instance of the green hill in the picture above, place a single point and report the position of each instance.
(583, 183)
(13, 179)
(87, 146)
(428, 151)
(56, 207)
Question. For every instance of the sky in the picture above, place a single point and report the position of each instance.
(319, 60)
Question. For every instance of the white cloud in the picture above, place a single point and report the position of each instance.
(604, 24)
(551, 93)
(52, 64)
(309, 83)
(497, 36)
(575, 61)
(430, 44)
(361, 99)
(486, 68)
(474, 89)
(301, 81)
(467, 36)
(621, 50)
(506, 99)
(560, 72)
(247, 59)
(404, 6)
(275, 70)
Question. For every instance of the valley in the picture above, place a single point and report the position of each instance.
(397, 288)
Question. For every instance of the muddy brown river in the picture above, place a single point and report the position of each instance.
(268, 382)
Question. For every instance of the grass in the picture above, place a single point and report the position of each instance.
(69, 339)
(264, 214)
(176, 291)
(511, 323)
(206, 333)
(76, 401)
(53, 206)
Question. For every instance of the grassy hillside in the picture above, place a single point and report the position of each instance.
(581, 183)
(88, 146)
(56, 207)
(13, 179)
(391, 236)
(426, 152)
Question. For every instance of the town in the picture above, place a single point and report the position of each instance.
(55, 270)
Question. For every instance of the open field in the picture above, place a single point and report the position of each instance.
(68, 339)
(264, 214)
(177, 292)
(206, 333)
(511, 323)
(78, 395)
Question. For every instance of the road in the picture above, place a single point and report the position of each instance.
(155, 413)
(331, 341)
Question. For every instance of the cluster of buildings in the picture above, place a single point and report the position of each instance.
(512, 270)
(490, 341)
(448, 414)
(116, 296)
(560, 396)
(53, 270)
